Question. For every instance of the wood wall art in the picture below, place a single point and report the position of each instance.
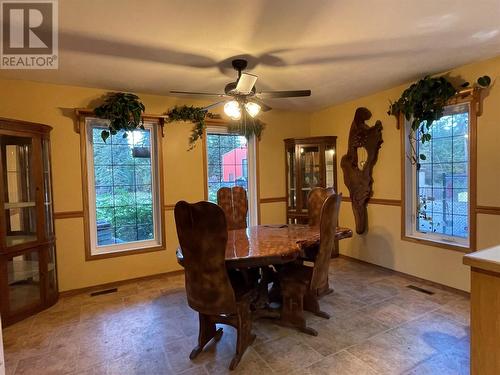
(357, 165)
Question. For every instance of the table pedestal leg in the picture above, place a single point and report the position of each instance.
(264, 304)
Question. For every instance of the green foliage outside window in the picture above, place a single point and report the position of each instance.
(123, 186)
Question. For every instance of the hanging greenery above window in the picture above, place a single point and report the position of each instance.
(123, 110)
(247, 126)
(423, 103)
(196, 115)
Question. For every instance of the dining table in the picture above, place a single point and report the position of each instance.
(266, 245)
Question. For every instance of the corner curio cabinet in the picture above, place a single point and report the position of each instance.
(310, 162)
(28, 275)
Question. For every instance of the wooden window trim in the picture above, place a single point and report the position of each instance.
(473, 97)
(82, 115)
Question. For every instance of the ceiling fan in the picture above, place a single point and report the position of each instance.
(242, 93)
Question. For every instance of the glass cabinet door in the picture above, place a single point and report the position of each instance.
(28, 271)
(19, 190)
(311, 162)
(330, 166)
(23, 281)
(292, 191)
(310, 173)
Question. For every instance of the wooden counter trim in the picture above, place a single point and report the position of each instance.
(487, 260)
(485, 272)
(488, 210)
(272, 200)
(67, 214)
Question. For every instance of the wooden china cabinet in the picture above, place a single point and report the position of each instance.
(310, 162)
(28, 275)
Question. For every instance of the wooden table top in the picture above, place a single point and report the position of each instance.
(263, 245)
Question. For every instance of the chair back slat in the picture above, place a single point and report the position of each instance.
(234, 203)
(202, 233)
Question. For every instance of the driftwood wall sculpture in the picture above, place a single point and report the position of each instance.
(358, 163)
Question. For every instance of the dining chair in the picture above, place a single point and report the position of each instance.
(202, 233)
(315, 200)
(234, 203)
(302, 285)
(309, 251)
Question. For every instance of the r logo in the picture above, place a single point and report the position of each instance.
(29, 28)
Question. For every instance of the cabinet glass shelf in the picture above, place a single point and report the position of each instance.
(9, 205)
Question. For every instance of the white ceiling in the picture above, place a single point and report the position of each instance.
(340, 49)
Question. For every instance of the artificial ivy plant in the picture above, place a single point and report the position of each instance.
(196, 115)
(123, 110)
(423, 103)
(247, 126)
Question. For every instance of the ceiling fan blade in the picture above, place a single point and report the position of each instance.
(214, 105)
(101, 46)
(197, 93)
(285, 94)
(245, 83)
(263, 106)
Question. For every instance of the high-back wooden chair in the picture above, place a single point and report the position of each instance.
(202, 233)
(302, 285)
(234, 203)
(315, 200)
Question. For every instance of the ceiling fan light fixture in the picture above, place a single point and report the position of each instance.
(233, 109)
(253, 109)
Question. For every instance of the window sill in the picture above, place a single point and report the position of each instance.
(120, 253)
(443, 245)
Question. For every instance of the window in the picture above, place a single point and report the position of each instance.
(438, 188)
(123, 186)
(231, 162)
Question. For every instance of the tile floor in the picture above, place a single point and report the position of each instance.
(378, 326)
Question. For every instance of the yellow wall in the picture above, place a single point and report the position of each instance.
(382, 244)
(51, 104)
(54, 104)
